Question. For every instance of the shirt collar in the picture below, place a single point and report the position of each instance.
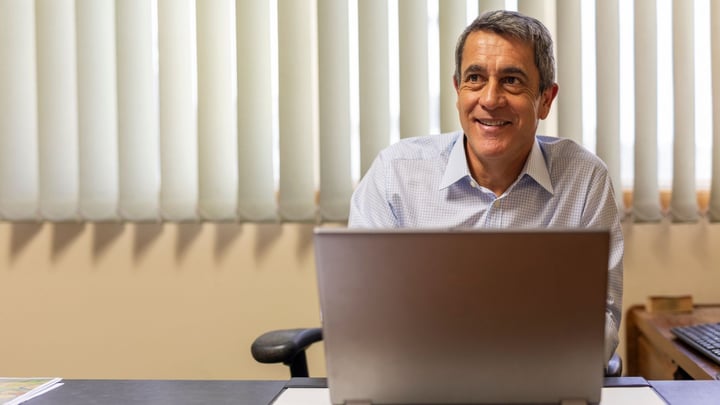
(536, 167)
(457, 168)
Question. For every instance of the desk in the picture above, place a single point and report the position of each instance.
(653, 353)
(160, 392)
(136, 392)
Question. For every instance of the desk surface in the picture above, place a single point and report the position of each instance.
(158, 392)
(654, 353)
(690, 392)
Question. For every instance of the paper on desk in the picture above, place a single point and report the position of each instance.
(304, 396)
(610, 396)
(630, 396)
(14, 391)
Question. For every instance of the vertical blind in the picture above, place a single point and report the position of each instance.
(646, 205)
(256, 110)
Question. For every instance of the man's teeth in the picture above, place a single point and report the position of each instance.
(492, 123)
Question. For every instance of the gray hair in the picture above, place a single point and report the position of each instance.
(519, 26)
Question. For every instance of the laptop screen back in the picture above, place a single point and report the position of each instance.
(472, 316)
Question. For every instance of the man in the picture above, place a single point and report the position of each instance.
(496, 173)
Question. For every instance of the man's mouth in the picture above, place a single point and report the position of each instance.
(492, 123)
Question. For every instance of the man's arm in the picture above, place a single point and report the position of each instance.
(369, 205)
(601, 211)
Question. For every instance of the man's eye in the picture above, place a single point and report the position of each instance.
(474, 78)
(513, 81)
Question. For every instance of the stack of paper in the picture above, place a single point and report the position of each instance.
(14, 391)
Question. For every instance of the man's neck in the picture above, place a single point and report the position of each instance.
(497, 180)
(497, 175)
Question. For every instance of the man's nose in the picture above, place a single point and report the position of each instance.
(492, 96)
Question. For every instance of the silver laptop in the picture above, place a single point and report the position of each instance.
(463, 317)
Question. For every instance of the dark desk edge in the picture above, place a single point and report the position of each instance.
(625, 382)
(307, 383)
(608, 382)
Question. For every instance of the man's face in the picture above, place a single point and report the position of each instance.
(499, 101)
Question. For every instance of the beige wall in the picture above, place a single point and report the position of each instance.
(185, 301)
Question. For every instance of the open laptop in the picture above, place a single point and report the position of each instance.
(463, 316)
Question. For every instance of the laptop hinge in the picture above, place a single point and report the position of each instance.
(575, 401)
(358, 402)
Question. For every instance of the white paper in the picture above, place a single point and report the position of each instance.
(304, 396)
(610, 396)
(31, 395)
(630, 396)
(14, 391)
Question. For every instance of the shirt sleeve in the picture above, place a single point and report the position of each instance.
(601, 211)
(369, 205)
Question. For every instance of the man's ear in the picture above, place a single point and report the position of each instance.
(455, 83)
(546, 99)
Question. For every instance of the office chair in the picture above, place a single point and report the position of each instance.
(288, 346)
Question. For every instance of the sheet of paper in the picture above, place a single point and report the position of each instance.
(610, 396)
(304, 396)
(630, 396)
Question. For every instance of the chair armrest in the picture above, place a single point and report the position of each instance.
(282, 346)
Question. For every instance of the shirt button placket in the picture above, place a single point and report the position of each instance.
(496, 213)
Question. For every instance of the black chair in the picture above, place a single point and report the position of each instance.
(288, 346)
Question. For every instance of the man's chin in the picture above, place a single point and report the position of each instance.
(490, 152)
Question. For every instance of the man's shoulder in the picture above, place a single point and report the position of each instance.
(567, 151)
(422, 147)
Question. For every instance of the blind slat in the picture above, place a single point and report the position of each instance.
(298, 108)
(714, 206)
(139, 164)
(488, 5)
(374, 79)
(334, 108)
(608, 90)
(97, 109)
(217, 125)
(414, 69)
(57, 109)
(18, 113)
(683, 205)
(569, 99)
(452, 20)
(646, 197)
(178, 122)
(256, 189)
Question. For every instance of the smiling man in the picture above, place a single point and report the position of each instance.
(496, 172)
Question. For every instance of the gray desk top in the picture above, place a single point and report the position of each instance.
(130, 392)
(704, 392)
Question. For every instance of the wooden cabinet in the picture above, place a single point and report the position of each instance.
(652, 351)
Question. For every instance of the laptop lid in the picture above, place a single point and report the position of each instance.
(463, 316)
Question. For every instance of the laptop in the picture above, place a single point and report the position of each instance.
(463, 316)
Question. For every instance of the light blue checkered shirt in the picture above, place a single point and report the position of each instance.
(425, 182)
